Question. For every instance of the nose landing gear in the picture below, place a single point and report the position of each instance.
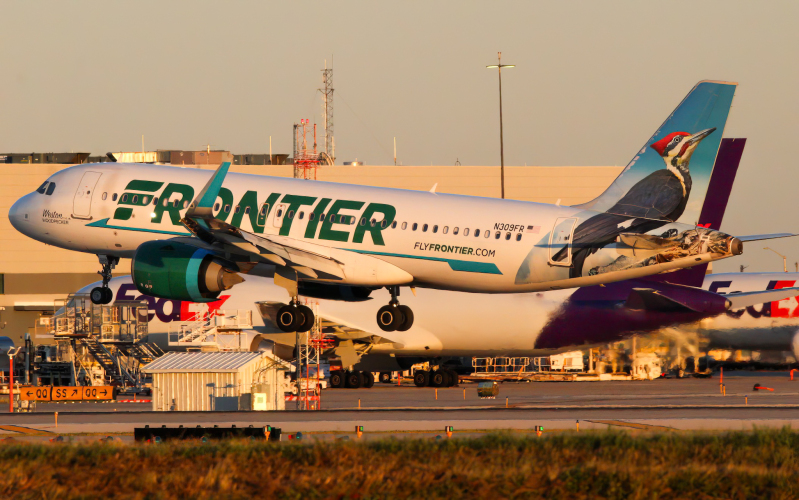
(394, 317)
(103, 294)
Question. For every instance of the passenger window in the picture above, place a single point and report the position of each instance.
(383, 223)
(165, 202)
(445, 230)
(176, 203)
(145, 200)
(227, 209)
(476, 233)
(373, 222)
(332, 217)
(155, 200)
(311, 216)
(216, 207)
(301, 215)
(519, 237)
(394, 225)
(135, 199)
(105, 195)
(279, 213)
(486, 233)
(435, 229)
(363, 221)
(264, 208)
(496, 236)
(238, 209)
(454, 230)
(291, 214)
(424, 228)
(114, 197)
(124, 198)
(51, 188)
(247, 210)
(507, 236)
(404, 225)
(466, 232)
(415, 225)
(42, 188)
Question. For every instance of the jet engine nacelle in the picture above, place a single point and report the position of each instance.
(177, 271)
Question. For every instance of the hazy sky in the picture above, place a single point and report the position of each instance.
(593, 81)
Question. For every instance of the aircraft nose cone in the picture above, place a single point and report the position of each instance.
(19, 215)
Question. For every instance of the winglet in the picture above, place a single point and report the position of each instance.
(203, 204)
(433, 189)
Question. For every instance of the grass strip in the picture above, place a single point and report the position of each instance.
(606, 464)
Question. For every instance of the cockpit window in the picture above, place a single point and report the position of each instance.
(50, 188)
(42, 187)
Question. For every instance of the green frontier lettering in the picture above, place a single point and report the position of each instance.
(257, 219)
(318, 212)
(294, 202)
(173, 208)
(327, 232)
(388, 212)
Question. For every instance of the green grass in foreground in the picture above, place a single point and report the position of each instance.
(586, 465)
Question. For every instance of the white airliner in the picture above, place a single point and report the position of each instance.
(468, 324)
(192, 234)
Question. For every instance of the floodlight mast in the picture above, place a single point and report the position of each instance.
(499, 67)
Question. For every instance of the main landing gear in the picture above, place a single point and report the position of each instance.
(394, 317)
(442, 377)
(295, 317)
(351, 379)
(103, 294)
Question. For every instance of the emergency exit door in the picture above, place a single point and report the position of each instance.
(560, 241)
(82, 205)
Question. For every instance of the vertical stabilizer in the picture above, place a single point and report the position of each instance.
(675, 163)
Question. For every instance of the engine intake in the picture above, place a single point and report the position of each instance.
(178, 271)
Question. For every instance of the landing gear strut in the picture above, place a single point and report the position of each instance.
(103, 294)
(295, 317)
(394, 316)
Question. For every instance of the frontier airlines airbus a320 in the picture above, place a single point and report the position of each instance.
(192, 235)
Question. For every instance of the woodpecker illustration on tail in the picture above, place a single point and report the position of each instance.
(654, 201)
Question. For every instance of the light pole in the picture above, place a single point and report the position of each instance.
(784, 259)
(11, 353)
(499, 67)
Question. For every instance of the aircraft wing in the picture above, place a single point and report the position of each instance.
(308, 259)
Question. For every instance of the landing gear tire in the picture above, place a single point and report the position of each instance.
(309, 319)
(407, 321)
(385, 377)
(368, 380)
(287, 318)
(453, 378)
(101, 295)
(389, 318)
(354, 379)
(439, 378)
(421, 378)
(337, 379)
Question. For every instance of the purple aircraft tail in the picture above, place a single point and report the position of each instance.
(718, 194)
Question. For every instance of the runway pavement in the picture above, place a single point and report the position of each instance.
(657, 405)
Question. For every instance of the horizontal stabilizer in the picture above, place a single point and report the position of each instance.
(760, 237)
(746, 299)
(650, 300)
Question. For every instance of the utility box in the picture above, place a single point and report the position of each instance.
(219, 381)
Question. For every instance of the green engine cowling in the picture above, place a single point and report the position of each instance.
(178, 271)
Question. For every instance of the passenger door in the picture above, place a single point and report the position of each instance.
(561, 239)
(82, 204)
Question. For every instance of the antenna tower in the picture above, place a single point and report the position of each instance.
(327, 111)
(306, 160)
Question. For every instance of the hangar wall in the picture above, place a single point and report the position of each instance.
(33, 275)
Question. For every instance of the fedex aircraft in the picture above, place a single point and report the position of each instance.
(192, 235)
